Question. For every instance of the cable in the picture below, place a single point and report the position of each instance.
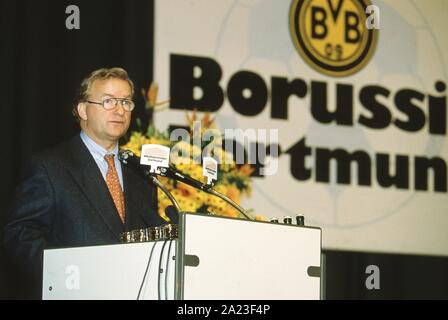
(160, 266)
(166, 269)
(146, 271)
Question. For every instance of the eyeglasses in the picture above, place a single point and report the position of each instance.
(111, 103)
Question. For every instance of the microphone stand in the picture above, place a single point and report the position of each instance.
(165, 190)
(206, 188)
(210, 190)
(203, 187)
(154, 180)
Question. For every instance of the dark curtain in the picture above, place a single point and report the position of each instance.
(42, 64)
(401, 276)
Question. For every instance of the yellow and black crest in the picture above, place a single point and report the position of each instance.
(332, 35)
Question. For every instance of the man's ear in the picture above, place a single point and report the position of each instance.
(82, 112)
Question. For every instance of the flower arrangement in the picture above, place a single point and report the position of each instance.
(233, 180)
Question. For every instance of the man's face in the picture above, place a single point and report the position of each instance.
(106, 125)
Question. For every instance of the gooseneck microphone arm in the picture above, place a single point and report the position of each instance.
(229, 201)
(165, 190)
(127, 156)
(176, 175)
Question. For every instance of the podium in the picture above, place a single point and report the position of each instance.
(213, 258)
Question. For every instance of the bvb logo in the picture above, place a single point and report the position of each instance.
(331, 35)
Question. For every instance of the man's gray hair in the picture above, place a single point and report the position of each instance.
(100, 74)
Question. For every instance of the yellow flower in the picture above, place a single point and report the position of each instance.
(135, 143)
(234, 181)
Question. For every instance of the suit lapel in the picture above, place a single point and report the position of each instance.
(88, 177)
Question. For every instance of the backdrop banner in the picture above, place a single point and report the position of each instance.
(352, 92)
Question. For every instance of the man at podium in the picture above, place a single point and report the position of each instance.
(77, 193)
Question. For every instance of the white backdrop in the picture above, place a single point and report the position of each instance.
(412, 53)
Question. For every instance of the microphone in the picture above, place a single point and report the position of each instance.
(128, 157)
(175, 174)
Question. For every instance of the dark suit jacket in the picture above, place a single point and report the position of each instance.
(64, 202)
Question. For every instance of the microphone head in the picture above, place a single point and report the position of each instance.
(125, 155)
(172, 214)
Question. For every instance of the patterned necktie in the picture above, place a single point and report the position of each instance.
(113, 183)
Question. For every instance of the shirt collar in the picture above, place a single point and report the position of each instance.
(97, 151)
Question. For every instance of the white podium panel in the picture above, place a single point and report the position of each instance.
(241, 259)
(110, 272)
(214, 258)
